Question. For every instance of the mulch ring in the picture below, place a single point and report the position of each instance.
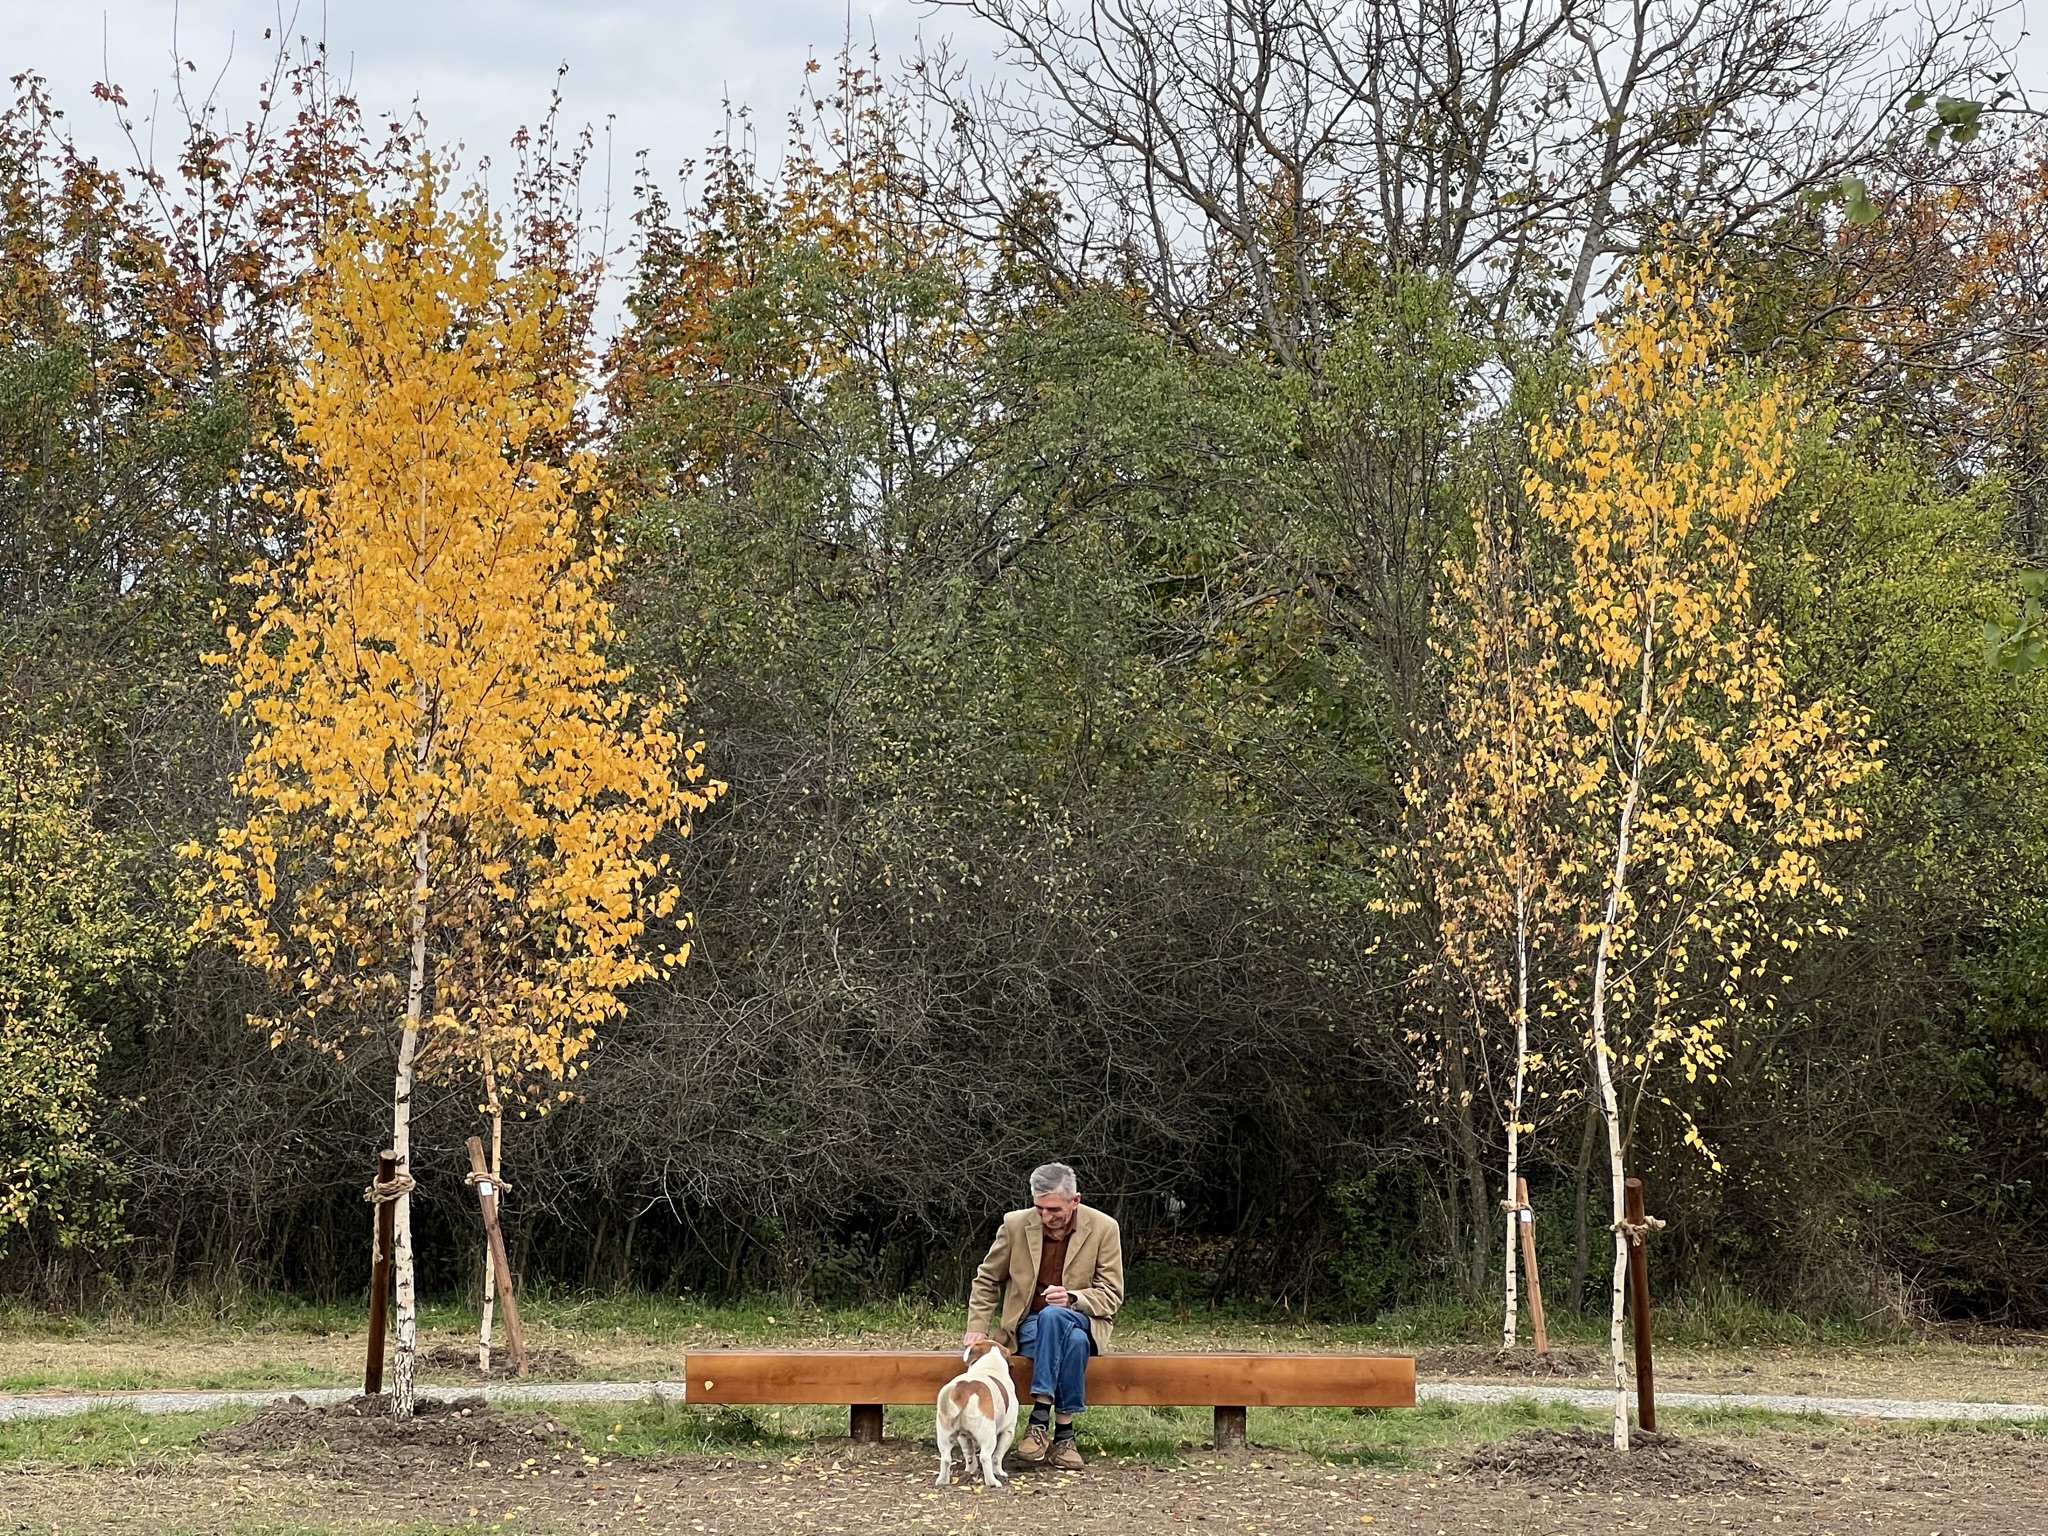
(463, 1431)
(1580, 1459)
(459, 1361)
(1479, 1360)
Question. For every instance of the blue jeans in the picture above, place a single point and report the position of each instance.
(1059, 1343)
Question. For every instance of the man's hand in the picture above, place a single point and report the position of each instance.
(1058, 1296)
(971, 1336)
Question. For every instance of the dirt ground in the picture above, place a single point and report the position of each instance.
(458, 1362)
(519, 1474)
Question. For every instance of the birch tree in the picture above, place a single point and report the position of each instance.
(1486, 848)
(1705, 790)
(453, 798)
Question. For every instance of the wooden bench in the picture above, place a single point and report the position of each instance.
(1229, 1383)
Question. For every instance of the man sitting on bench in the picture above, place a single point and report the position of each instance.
(1049, 1289)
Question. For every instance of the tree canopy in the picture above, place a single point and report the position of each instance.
(1162, 557)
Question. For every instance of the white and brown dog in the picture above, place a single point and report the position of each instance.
(978, 1407)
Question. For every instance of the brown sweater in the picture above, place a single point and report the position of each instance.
(1052, 1264)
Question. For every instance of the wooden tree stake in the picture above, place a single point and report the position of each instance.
(487, 1198)
(380, 1275)
(1526, 1220)
(1639, 1300)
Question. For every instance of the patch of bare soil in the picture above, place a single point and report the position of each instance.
(359, 1432)
(1478, 1360)
(1656, 1464)
(1833, 1482)
(459, 1360)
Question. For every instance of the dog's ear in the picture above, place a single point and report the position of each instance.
(981, 1347)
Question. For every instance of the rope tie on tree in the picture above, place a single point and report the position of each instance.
(384, 1191)
(1636, 1231)
(487, 1178)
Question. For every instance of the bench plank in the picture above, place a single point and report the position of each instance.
(790, 1376)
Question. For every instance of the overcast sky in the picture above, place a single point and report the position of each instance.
(477, 68)
(480, 68)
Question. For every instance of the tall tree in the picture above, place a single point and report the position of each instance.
(453, 796)
(1513, 148)
(1487, 850)
(1705, 788)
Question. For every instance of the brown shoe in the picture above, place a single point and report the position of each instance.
(1065, 1455)
(1036, 1442)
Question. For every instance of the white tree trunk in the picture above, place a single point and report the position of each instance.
(406, 1307)
(1514, 1214)
(1603, 1056)
(1610, 1111)
(483, 1337)
(1508, 1315)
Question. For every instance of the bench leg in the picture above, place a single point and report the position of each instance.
(867, 1424)
(1229, 1428)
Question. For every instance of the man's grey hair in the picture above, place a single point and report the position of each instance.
(1052, 1179)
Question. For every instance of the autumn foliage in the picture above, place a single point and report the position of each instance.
(1232, 680)
(1490, 855)
(454, 799)
(434, 663)
(1702, 790)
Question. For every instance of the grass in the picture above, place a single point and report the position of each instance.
(123, 1438)
(1710, 1317)
(1751, 1421)
(107, 1437)
(263, 1374)
(275, 1342)
(1385, 1437)
(270, 1341)
(1426, 1436)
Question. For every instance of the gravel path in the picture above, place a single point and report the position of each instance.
(1836, 1407)
(55, 1405)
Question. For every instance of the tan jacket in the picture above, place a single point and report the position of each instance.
(1094, 1272)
